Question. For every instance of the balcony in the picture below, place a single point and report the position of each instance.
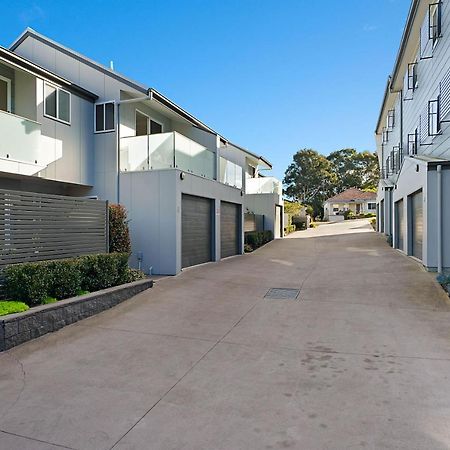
(166, 151)
(230, 173)
(263, 185)
(20, 145)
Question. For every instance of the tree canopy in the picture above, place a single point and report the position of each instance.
(312, 178)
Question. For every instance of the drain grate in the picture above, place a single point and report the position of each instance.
(282, 294)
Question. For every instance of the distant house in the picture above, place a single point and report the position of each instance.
(353, 199)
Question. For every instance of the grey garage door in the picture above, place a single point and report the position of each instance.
(416, 204)
(400, 225)
(229, 228)
(196, 230)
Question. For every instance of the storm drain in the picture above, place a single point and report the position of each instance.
(282, 294)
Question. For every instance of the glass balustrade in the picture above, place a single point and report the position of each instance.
(263, 185)
(166, 151)
(230, 173)
(20, 139)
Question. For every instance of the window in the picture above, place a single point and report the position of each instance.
(371, 206)
(434, 123)
(412, 143)
(155, 127)
(434, 22)
(104, 117)
(385, 135)
(142, 124)
(391, 119)
(56, 103)
(412, 76)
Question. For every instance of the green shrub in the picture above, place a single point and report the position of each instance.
(134, 275)
(49, 300)
(64, 278)
(248, 248)
(27, 282)
(33, 283)
(119, 234)
(256, 239)
(313, 225)
(12, 307)
(348, 214)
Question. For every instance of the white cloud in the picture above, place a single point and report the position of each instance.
(33, 13)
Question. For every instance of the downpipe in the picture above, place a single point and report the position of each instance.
(439, 218)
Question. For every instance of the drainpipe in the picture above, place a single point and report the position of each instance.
(439, 218)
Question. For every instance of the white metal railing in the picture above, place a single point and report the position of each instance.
(263, 185)
(20, 144)
(166, 151)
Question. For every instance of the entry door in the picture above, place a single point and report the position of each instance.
(196, 230)
(400, 225)
(5, 94)
(230, 219)
(416, 204)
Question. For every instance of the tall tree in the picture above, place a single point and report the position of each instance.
(309, 179)
(354, 169)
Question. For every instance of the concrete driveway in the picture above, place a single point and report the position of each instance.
(361, 360)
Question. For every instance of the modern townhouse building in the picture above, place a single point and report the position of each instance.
(412, 135)
(72, 126)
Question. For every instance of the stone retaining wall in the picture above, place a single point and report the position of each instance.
(18, 328)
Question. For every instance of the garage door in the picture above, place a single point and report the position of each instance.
(196, 230)
(416, 202)
(229, 228)
(400, 225)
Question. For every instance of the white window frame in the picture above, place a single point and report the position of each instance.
(390, 120)
(58, 89)
(112, 130)
(8, 92)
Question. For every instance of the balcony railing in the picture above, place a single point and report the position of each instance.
(263, 185)
(166, 151)
(230, 173)
(20, 145)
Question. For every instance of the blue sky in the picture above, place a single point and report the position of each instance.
(271, 75)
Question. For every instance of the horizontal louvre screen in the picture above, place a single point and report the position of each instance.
(35, 227)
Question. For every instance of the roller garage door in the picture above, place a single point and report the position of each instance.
(196, 230)
(230, 219)
(400, 225)
(416, 217)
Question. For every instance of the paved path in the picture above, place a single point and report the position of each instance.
(203, 362)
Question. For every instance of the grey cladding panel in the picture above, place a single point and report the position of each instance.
(229, 229)
(196, 224)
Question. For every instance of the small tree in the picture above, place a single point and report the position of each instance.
(119, 234)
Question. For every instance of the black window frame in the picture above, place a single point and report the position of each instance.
(385, 135)
(412, 76)
(105, 130)
(436, 114)
(434, 29)
(412, 142)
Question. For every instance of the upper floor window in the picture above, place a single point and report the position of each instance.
(412, 143)
(434, 122)
(434, 22)
(56, 103)
(104, 117)
(391, 119)
(412, 76)
(385, 135)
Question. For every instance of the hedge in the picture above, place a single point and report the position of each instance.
(256, 239)
(33, 283)
(12, 307)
